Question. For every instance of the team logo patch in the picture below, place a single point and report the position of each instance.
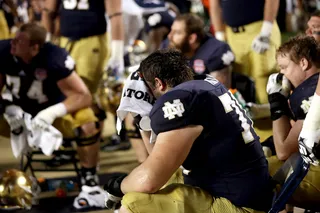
(305, 105)
(40, 74)
(171, 110)
(198, 66)
(228, 58)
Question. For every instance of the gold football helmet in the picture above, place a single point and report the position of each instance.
(16, 190)
(109, 94)
(109, 91)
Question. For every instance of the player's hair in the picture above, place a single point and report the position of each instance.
(301, 47)
(169, 65)
(194, 24)
(37, 33)
(316, 13)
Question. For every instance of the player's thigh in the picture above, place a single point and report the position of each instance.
(308, 192)
(179, 198)
(69, 124)
(4, 128)
(90, 55)
(175, 198)
(4, 32)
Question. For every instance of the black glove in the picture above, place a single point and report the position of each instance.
(114, 197)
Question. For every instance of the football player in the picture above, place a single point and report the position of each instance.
(298, 61)
(41, 79)
(206, 54)
(253, 35)
(83, 30)
(201, 126)
(309, 137)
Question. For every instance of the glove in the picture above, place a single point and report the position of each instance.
(278, 83)
(14, 116)
(261, 43)
(48, 115)
(115, 67)
(114, 193)
(278, 88)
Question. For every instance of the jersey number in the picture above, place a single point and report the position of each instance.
(35, 91)
(73, 4)
(231, 104)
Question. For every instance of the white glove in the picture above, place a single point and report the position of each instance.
(278, 83)
(14, 116)
(49, 114)
(115, 65)
(220, 36)
(261, 43)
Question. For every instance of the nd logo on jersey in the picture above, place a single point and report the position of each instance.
(171, 110)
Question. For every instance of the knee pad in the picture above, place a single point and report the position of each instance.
(99, 113)
(89, 140)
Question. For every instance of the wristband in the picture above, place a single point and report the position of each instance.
(117, 49)
(266, 28)
(113, 185)
(278, 106)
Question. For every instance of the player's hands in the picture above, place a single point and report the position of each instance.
(114, 193)
(309, 146)
(278, 88)
(261, 42)
(278, 83)
(14, 116)
(48, 115)
(115, 65)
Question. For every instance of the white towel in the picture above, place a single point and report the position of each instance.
(26, 137)
(48, 139)
(138, 101)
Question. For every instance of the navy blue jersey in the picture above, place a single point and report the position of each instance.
(301, 97)
(82, 18)
(150, 3)
(226, 159)
(237, 13)
(211, 56)
(34, 86)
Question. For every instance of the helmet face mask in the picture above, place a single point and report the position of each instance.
(16, 190)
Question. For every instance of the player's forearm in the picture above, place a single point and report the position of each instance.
(47, 21)
(48, 15)
(141, 179)
(12, 7)
(270, 10)
(77, 101)
(281, 128)
(114, 11)
(216, 15)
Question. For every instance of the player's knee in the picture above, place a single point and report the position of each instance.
(88, 134)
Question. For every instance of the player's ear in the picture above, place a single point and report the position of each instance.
(160, 84)
(192, 38)
(305, 64)
(35, 49)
